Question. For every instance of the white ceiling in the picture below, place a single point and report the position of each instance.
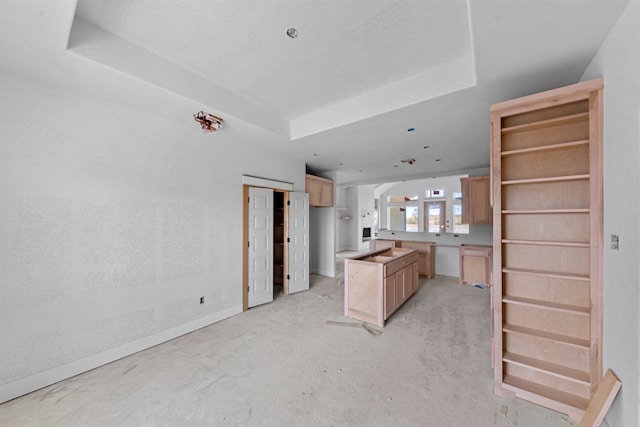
(360, 73)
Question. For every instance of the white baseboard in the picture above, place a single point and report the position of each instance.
(323, 272)
(45, 378)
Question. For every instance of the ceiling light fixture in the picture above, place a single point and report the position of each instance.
(209, 122)
(292, 33)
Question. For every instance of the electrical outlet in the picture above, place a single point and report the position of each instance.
(201, 300)
(615, 242)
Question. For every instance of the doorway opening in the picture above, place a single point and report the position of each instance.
(280, 255)
(275, 244)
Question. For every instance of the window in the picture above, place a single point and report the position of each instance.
(435, 216)
(403, 218)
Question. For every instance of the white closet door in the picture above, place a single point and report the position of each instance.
(298, 239)
(260, 246)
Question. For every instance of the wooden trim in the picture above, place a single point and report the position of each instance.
(285, 255)
(596, 231)
(245, 249)
(601, 401)
(563, 95)
(496, 290)
(256, 181)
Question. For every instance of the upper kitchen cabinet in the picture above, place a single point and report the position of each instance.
(320, 191)
(476, 207)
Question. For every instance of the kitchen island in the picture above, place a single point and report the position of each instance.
(376, 283)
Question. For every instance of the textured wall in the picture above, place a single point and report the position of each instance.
(113, 223)
(618, 62)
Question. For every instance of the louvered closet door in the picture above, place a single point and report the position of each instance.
(547, 196)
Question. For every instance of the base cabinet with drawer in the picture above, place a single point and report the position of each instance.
(475, 264)
(378, 283)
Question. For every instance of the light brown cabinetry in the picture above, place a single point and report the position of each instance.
(475, 264)
(320, 191)
(476, 206)
(378, 283)
(426, 253)
(378, 244)
(426, 256)
(547, 290)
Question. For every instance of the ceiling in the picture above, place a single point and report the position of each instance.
(344, 93)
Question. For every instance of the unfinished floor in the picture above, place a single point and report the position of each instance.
(282, 364)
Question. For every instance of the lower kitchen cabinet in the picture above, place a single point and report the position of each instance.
(379, 282)
(475, 264)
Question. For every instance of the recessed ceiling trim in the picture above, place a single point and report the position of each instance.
(447, 78)
(92, 42)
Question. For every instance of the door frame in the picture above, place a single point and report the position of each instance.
(252, 181)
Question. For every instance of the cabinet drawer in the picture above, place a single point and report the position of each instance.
(399, 264)
(475, 251)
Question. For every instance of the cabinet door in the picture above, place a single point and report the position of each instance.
(326, 194)
(390, 303)
(407, 274)
(414, 278)
(476, 208)
(399, 288)
(482, 209)
(314, 188)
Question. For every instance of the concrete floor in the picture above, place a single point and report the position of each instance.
(282, 364)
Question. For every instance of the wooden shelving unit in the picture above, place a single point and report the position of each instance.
(546, 178)
(278, 238)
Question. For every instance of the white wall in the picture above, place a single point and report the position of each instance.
(618, 60)
(364, 213)
(322, 237)
(113, 223)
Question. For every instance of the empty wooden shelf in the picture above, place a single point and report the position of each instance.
(546, 174)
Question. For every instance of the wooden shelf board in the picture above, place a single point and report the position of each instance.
(546, 243)
(546, 179)
(547, 396)
(544, 211)
(573, 118)
(559, 371)
(563, 308)
(581, 277)
(545, 148)
(549, 336)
